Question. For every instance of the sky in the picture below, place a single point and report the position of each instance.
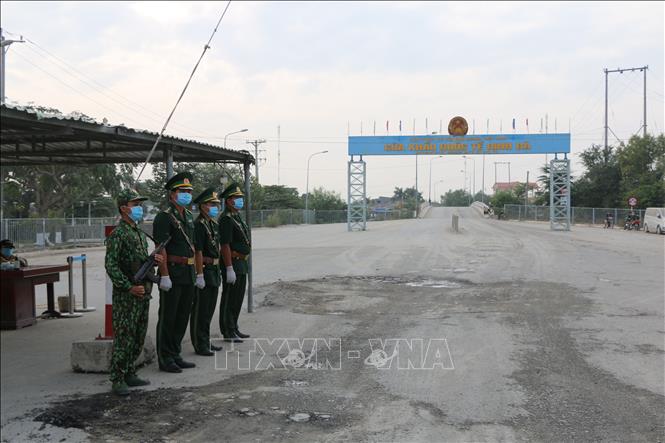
(319, 71)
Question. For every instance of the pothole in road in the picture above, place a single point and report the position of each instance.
(434, 284)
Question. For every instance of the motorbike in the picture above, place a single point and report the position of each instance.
(632, 225)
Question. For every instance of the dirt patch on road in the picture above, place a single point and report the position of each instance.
(566, 399)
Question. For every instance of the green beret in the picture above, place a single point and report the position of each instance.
(6, 243)
(182, 180)
(128, 195)
(207, 196)
(232, 190)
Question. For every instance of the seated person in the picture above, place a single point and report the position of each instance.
(7, 257)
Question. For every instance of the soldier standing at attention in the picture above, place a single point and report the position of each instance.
(208, 273)
(126, 250)
(177, 273)
(234, 238)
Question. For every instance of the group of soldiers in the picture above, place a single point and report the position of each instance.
(199, 256)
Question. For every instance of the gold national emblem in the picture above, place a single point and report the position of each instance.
(214, 195)
(458, 126)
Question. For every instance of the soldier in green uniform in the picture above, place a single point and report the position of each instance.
(126, 250)
(208, 274)
(177, 273)
(235, 249)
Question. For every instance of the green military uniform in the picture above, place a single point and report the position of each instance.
(9, 260)
(126, 250)
(234, 232)
(175, 304)
(206, 240)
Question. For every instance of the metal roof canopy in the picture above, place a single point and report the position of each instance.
(27, 138)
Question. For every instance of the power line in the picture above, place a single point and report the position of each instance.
(205, 48)
(80, 76)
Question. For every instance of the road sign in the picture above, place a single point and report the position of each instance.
(459, 145)
(632, 201)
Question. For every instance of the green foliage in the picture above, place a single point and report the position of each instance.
(501, 198)
(642, 169)
(458, 197)
(599, 185)
(323, 200)
(481, 197)
(614, 174)
(543, 193)
(279, 197)
(274, 220)
(406, 198)
(54, 191)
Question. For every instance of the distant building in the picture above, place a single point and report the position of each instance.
(510, 186)
(381, 205)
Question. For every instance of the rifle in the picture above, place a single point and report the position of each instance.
(147, 269)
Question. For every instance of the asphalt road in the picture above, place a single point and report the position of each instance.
(504, 331)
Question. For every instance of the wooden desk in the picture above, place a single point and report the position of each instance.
(17, 294)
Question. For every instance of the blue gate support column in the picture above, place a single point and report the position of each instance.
(357, 201)
(560, 194)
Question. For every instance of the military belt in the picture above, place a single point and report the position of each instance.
(238, 255)
(179, 260)
(210, 260)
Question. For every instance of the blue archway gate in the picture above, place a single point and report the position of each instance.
(504, 144)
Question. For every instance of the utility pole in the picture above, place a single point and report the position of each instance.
(482, 196)
(4, 47)
(526, 192)
(621, 71)
(417, 202)
(4, 43)
(278, 152)
(501, 163)
(256, 144)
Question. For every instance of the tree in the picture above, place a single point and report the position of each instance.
(501, 198)
(543, 191)
(599, 186)
(320, 199)
(458, 197)
(481, 197)
(642, 170)
(280, 197)
(53, 190)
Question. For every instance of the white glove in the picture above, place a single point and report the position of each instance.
(230, 275)
(165, 283)
(200, 281)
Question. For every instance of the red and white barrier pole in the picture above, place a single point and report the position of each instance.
(108, 311)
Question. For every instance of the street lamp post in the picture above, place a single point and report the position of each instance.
(473, 192)
(430, 177)
(435, 194)
(307, 186)
(231, 133)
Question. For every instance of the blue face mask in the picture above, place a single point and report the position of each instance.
(7, 252)
(214, 211)
(183, 198)
(137, 213)
(239, 203)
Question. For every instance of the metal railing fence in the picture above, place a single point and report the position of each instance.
(578, 215)
(36, 233)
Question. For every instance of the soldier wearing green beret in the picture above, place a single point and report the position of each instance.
(126, 250)
(208, 274)
(177, 273)
(235, 249)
